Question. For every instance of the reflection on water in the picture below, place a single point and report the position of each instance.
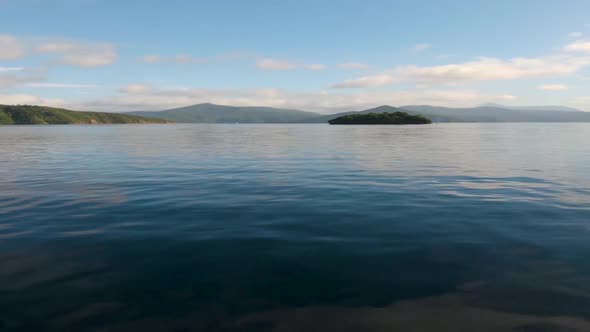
(454, 227)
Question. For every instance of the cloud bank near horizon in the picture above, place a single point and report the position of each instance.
(28, 65)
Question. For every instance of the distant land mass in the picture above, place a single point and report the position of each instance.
(534, 108)
(211, 113)
(395, 118)
(380, 109)
(495, 114)
(33, 115)
(473, 114)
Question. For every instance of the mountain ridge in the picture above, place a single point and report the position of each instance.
(38, 115)
(534, 108)
(213, 113)
(470, 114)
(496, 114)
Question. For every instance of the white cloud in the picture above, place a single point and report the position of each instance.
(575, 34)
(80, 54)
(315, 66)
(6, 69)
(10, 79)
(62, 85)
(582, 103)
(25, 99)
(277, 64)
(189, 59)
(136, 88)
(11, 48)
(145, 97)
(353, 65)
(176, 59)
(553, 87)
(579, 46)
(365, 82)
(151, 59)
(274, 64)
(482, 69)
(421, 47)
(75, 53)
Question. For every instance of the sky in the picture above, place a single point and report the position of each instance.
(324, 56)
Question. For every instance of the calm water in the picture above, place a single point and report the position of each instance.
(448, 227)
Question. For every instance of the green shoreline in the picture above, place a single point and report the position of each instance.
(41, 115)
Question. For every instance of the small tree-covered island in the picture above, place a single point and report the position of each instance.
(395, 118)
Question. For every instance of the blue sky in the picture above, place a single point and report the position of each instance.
(316, 55)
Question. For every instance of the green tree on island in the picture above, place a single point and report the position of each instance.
(395, 118)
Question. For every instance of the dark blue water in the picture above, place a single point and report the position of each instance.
(295, 228)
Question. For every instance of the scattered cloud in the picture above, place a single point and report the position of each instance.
(436, 84)
(421, 47)
(136, 88)
(11, 48)
(176, 59)
(26, 99)
(366, 82)
(61, 85)
(445, 56)
(182, 59)
(14, 78)
(75, 53)
(80, 54)
(579, 46)
(582, 103)
(146, 97)
(353, 65)
(484, 69)
(274, 64)
(5, 69)
(277, 64)
(553, 87)
(315, 66)
(151, 58)
(481, 69)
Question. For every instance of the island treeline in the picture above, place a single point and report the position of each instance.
(211, 113)
(395, 118)
(33, 115)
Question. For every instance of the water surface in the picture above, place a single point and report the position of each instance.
(293, 227)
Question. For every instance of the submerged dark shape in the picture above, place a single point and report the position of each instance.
(32, 115)
(395, 118)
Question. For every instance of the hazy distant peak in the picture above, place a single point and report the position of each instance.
(534, 108)
(213, 113)
(383, 109)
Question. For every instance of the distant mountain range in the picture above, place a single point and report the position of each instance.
(534, 108)
(32, 115)
(211, 113)
(496, 114)
(380, 109)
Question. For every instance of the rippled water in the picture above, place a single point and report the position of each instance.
(295, 228)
